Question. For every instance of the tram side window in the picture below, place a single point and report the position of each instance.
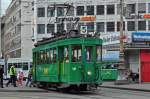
(41, 57)
(55, 55)
(51, 55)
(99, 53)
(38, 58)
(47, 56)
(66, 54)
(76, 53)
(89, 53)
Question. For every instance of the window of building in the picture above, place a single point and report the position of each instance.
(110, 26)
(79, 25)
(40, 28)
(142, 8)
(130, 8)
(60, 11)
(100, 27)
(100, 9)
(148, 7)
(148, 25)
(60, 28)
(90, 27)
(141, 25)
(80, 10)
(131, 25)
(70, 11)
(69, 26)
(50, 28)
(50, 12)
(118, 26)
(41, 12)
(118, 9)
(110, 9)
(90, 10)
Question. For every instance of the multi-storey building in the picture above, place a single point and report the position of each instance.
(53, 16)
(17, 47)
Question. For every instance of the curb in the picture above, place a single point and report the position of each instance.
(123, 88)
(36, 91)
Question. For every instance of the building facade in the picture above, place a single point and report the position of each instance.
(17, 32)
(51, 16)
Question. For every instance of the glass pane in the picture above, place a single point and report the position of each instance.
(89, 53)
(99, 54)
(25, 66)
(76, 53)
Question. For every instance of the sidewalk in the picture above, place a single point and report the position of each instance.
(135, 87)
(23, 88)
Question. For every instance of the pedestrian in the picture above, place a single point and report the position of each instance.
(13, 76)
(1, 76)
(20, 78)
(29, 79)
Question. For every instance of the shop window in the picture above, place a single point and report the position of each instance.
(76, 53)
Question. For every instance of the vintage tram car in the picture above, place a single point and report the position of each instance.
(72, 62)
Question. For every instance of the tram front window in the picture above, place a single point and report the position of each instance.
(99, 53)
(89, 53)
(76, 53)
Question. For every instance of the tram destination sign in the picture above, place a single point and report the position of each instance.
(141, 36)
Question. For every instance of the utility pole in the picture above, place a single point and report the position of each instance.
(121, 36)
(121, 68)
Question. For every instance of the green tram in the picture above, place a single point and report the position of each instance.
(68, 62)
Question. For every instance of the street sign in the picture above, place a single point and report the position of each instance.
(83, 29)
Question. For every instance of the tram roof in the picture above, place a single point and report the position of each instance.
(68, 41)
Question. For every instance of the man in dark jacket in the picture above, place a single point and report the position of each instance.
(1, 76)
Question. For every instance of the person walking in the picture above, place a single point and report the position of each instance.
(1, 76)
(29, 79)
(13, 77)
(20, 78)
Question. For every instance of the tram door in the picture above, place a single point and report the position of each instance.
(89, 61)
(63, 61)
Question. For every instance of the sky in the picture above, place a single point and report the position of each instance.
(5, 4)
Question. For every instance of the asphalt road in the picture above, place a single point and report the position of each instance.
(103, 93)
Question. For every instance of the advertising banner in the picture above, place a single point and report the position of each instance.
(141, 37)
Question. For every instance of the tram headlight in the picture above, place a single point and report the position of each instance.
(89, 73)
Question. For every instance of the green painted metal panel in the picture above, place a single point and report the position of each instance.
(109, 74)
